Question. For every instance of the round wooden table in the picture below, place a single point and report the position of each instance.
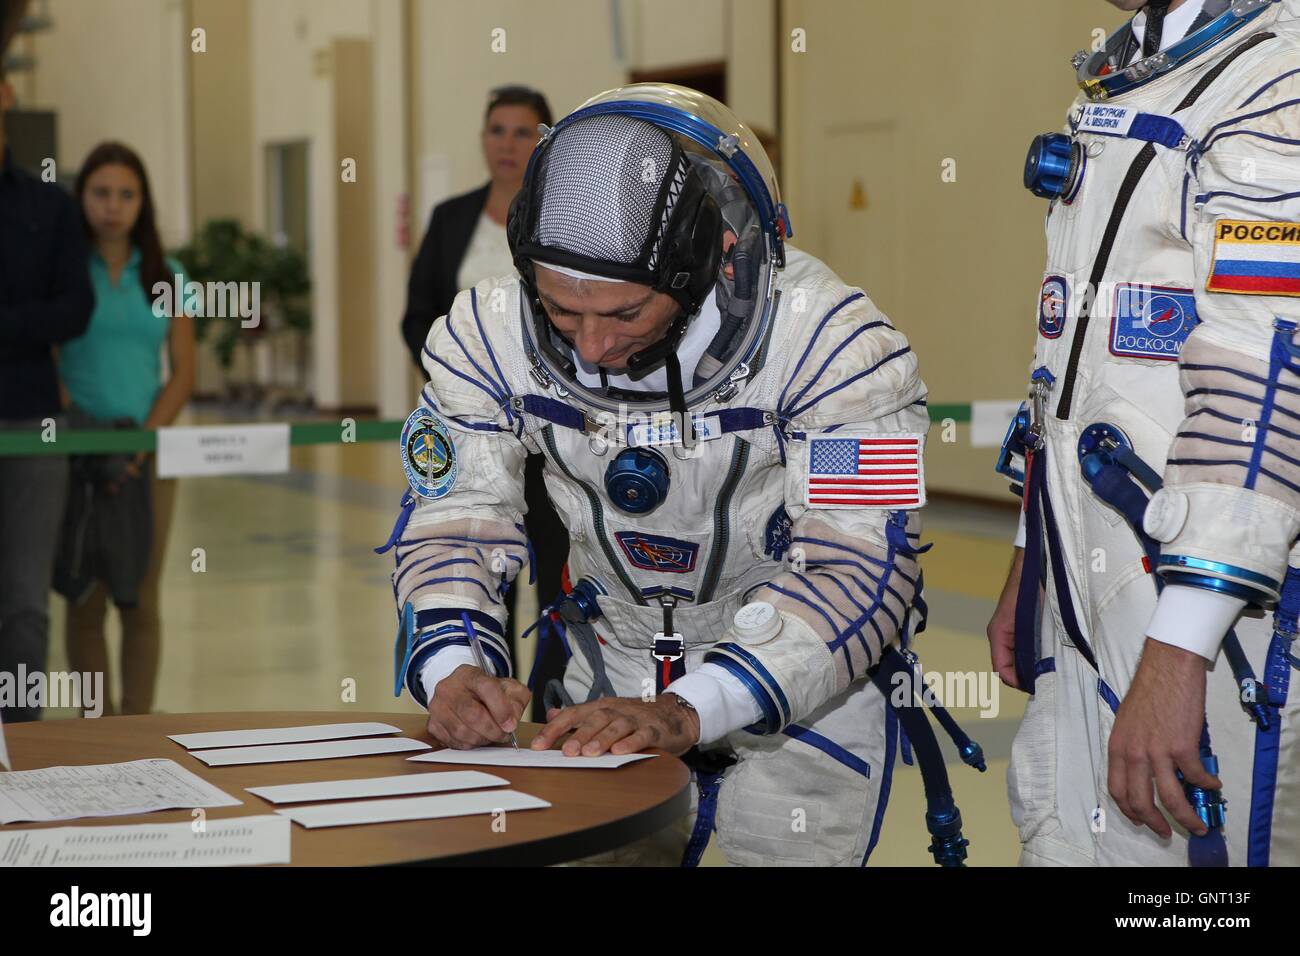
(593, 811)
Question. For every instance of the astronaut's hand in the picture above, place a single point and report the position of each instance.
(621, 725)
(1001, 629)
(474, 709)
(1158, 732)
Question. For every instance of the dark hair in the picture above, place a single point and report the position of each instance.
(519, 96)
(11, 14)
(144, 234)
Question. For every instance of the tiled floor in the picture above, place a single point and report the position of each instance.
(295, 611)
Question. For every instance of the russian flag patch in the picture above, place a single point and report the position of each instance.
(865, 471)
(1255, 258)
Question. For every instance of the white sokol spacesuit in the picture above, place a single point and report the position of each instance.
(796, 501)
(1166, 355)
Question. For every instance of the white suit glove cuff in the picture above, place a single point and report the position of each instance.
(1194, 619)
(724, 704)
(441, 665)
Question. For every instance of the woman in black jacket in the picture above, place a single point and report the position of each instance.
(466, 243)
(462, 231)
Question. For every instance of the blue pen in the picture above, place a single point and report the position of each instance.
(480, 660)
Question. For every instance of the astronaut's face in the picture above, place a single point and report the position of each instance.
(607, 322)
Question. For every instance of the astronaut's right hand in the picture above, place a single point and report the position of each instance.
(1001, 629)
(473, 709)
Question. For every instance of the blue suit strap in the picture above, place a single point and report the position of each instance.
(553, 411)
(1028, 608)
(403, 516)
(1268, 739)
(709, 767)
(1124, 122)
(1161, 130)
(568, 416)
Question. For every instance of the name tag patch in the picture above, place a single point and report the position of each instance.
(1255, 258)
(1151, 322)
(1107, 120)
(1053, 302)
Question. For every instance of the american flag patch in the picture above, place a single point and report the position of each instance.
(865, 471)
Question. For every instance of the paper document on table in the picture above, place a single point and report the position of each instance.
(281, 735)
(379, 786)
(235, 841)
(412, 808)
(104, 790)
(510, 757)
(317, 751)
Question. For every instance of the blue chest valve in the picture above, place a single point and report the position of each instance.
(637, 480)
(1054, 167)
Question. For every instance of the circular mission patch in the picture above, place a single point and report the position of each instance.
(428, 455)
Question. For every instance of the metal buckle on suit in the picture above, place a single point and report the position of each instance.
(668, 647)
(1040, 385)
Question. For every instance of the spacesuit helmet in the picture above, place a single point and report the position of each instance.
(1112, 71)
(640, 184)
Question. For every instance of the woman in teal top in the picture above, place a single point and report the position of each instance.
(114, 371)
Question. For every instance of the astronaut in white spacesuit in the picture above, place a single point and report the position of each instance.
(1162, 446)
(734, 441)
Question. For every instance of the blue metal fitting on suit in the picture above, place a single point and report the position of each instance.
(947, 846)
(1013, 447)
(1097, 445)
(1055, 166)
(1208, 804)
(637, 480)
(972, 754)
(580, 605)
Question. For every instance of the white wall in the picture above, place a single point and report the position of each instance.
(389, 185)
(565, 50)
(292, 100)
(665, 33)
(117, 71)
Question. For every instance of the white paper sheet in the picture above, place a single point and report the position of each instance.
(281, 735)
(104, 790)
(412, 808)
(237, 841)
(523, 757)
(317, 751)
(380, 786)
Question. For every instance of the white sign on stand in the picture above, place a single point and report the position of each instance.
(989, 421)
(190, 452)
